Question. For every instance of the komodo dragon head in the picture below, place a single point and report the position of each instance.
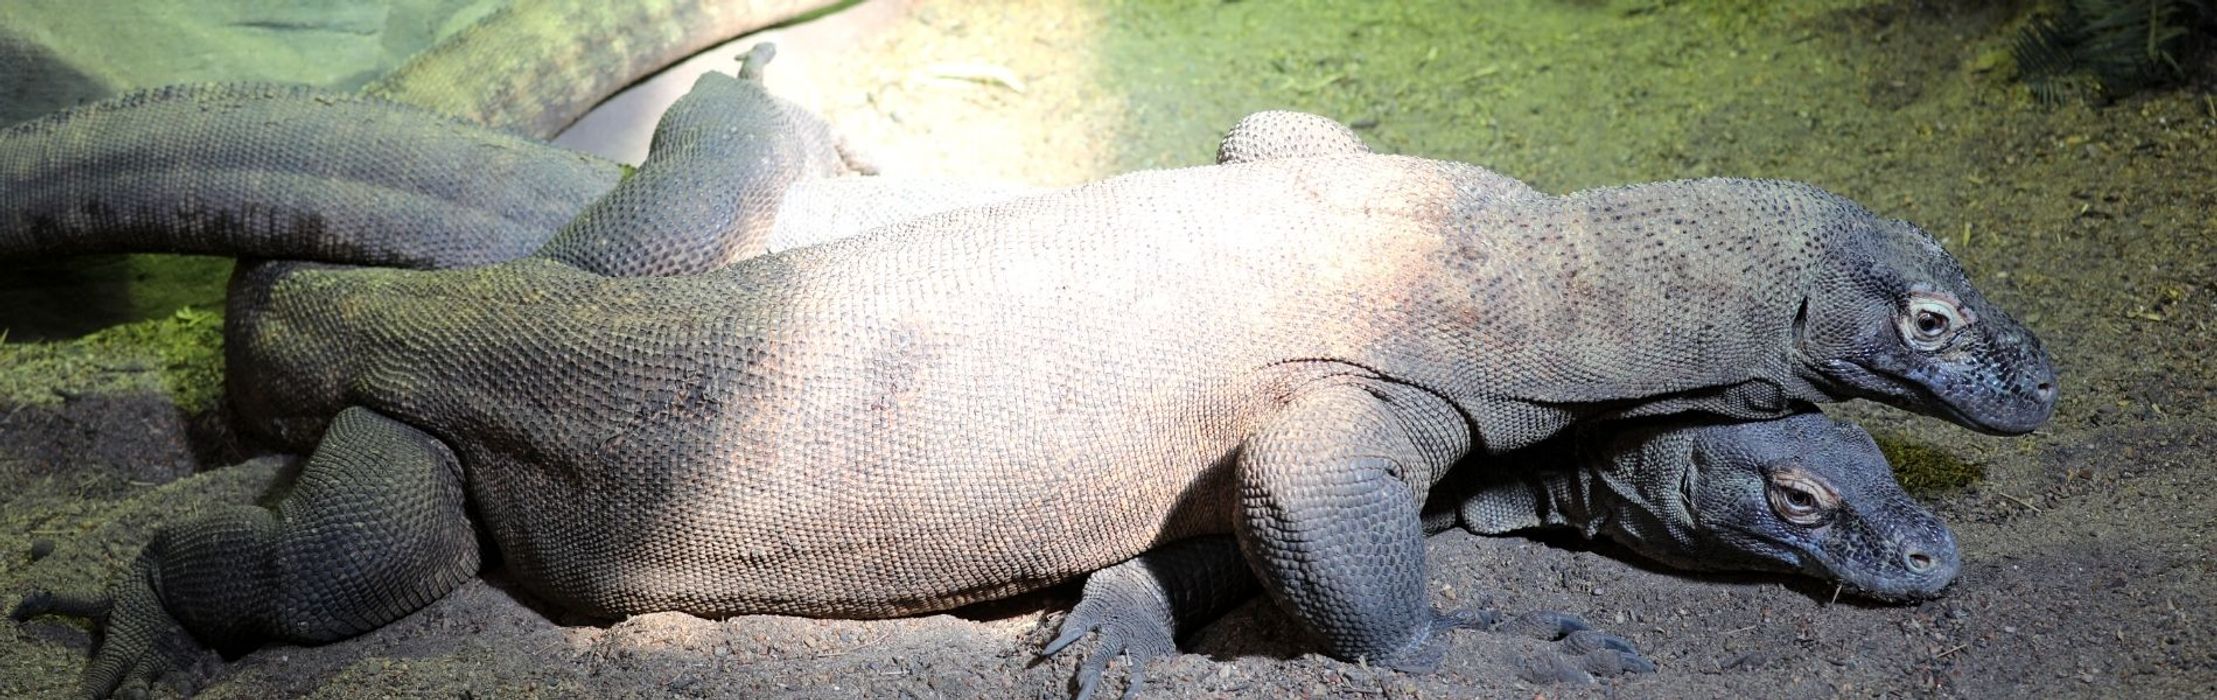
(1802, 494)
(1895, 319)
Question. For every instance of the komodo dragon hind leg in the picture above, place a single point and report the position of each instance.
(1140, 607)
(1329, 516)
(373, 529)
(707, 194)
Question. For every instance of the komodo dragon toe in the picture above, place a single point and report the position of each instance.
(1137, 609)
(1582, 654)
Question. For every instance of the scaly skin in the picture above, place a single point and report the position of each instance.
(297, 173)
(535, 66)
(283, 172)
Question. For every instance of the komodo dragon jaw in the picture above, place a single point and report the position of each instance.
(1924, 339)
(1803, 494)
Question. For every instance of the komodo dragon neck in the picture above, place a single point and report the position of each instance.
(1553, 308)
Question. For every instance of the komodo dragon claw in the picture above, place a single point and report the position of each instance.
(139, 643)
(1141, 606)
(1583, 654)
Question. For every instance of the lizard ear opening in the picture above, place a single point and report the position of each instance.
(1801, 321)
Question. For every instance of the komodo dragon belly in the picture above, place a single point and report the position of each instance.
(723, 537)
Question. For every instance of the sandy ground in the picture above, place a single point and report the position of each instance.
(2088, 545)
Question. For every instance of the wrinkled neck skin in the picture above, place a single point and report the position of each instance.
(1645, 300)
(1638, 502)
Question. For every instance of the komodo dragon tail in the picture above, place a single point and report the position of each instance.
(283, 172)
(535, 66)
(298, 173)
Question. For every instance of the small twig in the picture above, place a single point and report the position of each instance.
(855, 648)
(982, 73)
(1951, 650)
(2020, 501)
(1743, 629)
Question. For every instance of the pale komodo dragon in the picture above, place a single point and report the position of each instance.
(1289, 351)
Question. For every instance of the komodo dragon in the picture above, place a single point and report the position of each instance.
(1289, 350)
(295, 173)
(291, 172)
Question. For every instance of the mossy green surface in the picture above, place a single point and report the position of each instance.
(1926, 471)
(180, 355)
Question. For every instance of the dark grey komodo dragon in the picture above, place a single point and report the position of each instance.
(1290, 351)
(1802, 494)
(285, 171)
(299, 174)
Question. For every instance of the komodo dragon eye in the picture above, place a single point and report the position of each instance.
(1800, 498)
(1930, 318)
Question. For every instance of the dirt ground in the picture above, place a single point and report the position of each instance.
(2088, 545)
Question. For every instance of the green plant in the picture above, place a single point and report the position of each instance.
(2105, 49)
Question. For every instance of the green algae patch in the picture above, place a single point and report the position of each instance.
(1926, 471)
(180, 355)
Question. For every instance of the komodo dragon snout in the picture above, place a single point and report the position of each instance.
(1803, 494)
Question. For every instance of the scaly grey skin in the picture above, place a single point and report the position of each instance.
(291, 172)
(535, 66)
(294, 173)
(1457, 388)
(1802, 494)
(283, 172)
(708, 193)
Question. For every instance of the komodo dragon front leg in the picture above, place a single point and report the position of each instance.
(1329, 494)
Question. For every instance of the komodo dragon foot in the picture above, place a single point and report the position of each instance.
(374, 529)
(1583, 654)
(1141, 606)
